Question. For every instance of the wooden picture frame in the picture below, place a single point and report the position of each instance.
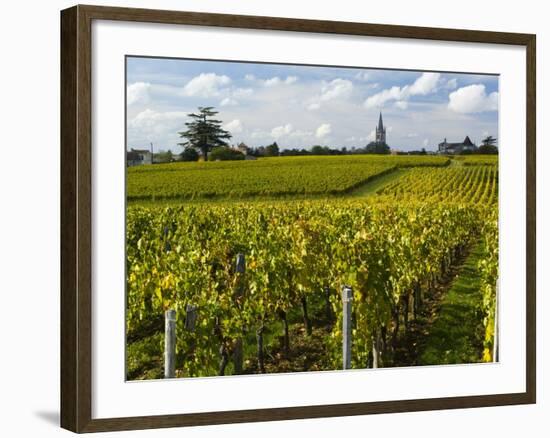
(76, 217)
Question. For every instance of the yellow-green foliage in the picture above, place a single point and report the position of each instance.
(381, 245)
(473, 184)
(477, 160)
(185, 255)
(489, 272)
(268, 176)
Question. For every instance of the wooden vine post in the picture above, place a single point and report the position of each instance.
(496, 327)
(376, 341)
(347, 298)
(170, 344)
(240, 268)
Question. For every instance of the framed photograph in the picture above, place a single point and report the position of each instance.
(270, 218)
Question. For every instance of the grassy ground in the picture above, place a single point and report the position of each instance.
(456, 334)
(375, 185)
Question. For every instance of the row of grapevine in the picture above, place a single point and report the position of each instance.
(476, 160)
(456, 184)
(264, 177)
(185, 256)
(488, 267)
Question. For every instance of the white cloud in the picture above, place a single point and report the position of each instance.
(158, 127)
(301, 134)
(138, 92)
(412, 135)
(354, 139)
(258, 134)
(250, 77)
(150, 118)
(288, 131)
(426, 142)
(473, 99)
(323, 130)
(291, 79)
(362, 76)
(242, 92)
(234, 126)
(272, 82)
(235, 94)
(280, 131)
(276, 80)
(378, 99)
(425, 84)
(206, 85)
(228, 101)
(451, 84)
(371, 136)
(402, 104)
(337, 88)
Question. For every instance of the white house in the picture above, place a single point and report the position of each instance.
(137, 157)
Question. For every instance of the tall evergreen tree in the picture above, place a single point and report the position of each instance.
(489, 141)
(488, 146)
(203, 132)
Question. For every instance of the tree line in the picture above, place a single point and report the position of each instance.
(205, 135)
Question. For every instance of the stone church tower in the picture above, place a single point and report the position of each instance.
(380, 131)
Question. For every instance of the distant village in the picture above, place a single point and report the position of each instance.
(136, 157)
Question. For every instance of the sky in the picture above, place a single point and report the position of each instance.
(302, 106)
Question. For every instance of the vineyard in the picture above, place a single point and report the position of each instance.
(472, 185)
(275, 176)
(476, 160)
(257, 286)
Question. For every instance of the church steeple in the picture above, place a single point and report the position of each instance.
(380, 131)
(380, 124)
